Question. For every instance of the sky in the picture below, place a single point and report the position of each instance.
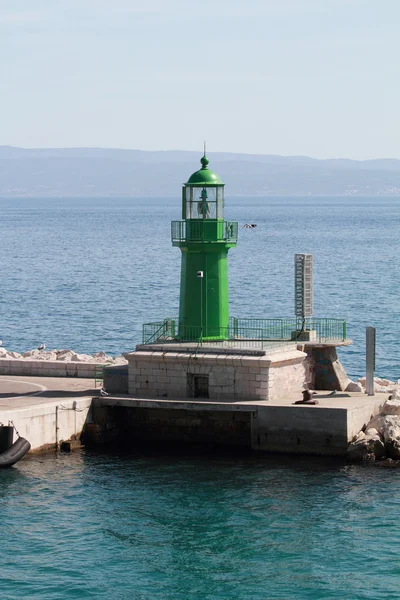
(290, 77)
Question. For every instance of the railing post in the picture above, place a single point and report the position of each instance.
(235, 327)
(344, 330)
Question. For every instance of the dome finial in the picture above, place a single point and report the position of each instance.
(204, 160)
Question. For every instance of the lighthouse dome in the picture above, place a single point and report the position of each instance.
(204, 176)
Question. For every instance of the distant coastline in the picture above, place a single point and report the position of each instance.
(114, 173)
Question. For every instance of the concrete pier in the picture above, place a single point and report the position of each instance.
(274, 426)
(48, 411)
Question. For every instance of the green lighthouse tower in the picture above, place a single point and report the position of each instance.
(204, 238)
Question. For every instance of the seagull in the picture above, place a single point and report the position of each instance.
(42, 347)
(103, 392)
(249, 225)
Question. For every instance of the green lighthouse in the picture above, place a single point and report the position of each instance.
(204, 238)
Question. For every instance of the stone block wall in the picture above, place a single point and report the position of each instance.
(230, 376)
(47, 368)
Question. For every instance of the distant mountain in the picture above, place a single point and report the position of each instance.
(103, 172)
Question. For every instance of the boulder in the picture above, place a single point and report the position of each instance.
(120, 360)
(49, 355)
(380, 385)
(354, 386)
(3, 353)
(31, 353)
(396, 393)
(82, 358)
(384, 382)
(390, 407)
(365, 446)
(102, 357)
(357, 451)
(390, 431)
(375, 445)
(14, 355)
(64, 355)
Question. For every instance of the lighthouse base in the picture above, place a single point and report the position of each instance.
(216, 373)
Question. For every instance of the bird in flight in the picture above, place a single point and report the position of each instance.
(249, 225)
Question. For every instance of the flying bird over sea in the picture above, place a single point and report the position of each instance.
(249, 225)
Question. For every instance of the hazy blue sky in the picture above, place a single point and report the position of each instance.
(314, 77)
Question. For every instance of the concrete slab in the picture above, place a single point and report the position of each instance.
(19, 391)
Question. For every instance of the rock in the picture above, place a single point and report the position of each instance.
(380, 385)
(396, 393)
(102, 357)
(360, 436)
(389, 462)
(82, 358)
(14, 355)
(354, 387)
(49, 355)
(358, 451)
(384, 382)
(390, 431)
(366, 446)
(390, 407)
(120, 360)
(390, 427)
(376, 446)
(31, 354)
(376, 423)
(64, 355)
(3, 353)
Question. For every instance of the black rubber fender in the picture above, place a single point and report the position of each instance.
(14, 453)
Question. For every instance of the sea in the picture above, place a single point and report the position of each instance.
(175, 524)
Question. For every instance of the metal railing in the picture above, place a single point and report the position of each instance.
(247, 332)
(204, 230)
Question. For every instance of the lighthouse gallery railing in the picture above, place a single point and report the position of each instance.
(246, 331)
(204, 230)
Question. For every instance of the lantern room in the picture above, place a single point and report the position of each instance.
(203, 195)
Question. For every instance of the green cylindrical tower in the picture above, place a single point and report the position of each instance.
(204, 238)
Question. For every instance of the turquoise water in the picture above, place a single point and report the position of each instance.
(146, 526)
(86, 273)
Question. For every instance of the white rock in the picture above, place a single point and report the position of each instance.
(354, 387)
(120, 360)
(371, 432)
(381, 389)
(102, 357)
(3, 353)
(49, 355)
(384, 382)
(396, 393)
(82, 358)
(64, 355)
(390, 427)
(377, 423)
(31, 353)
(14, 355)
(390, 407)
(360, 436)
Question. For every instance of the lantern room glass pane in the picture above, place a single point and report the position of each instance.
(204, 203)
